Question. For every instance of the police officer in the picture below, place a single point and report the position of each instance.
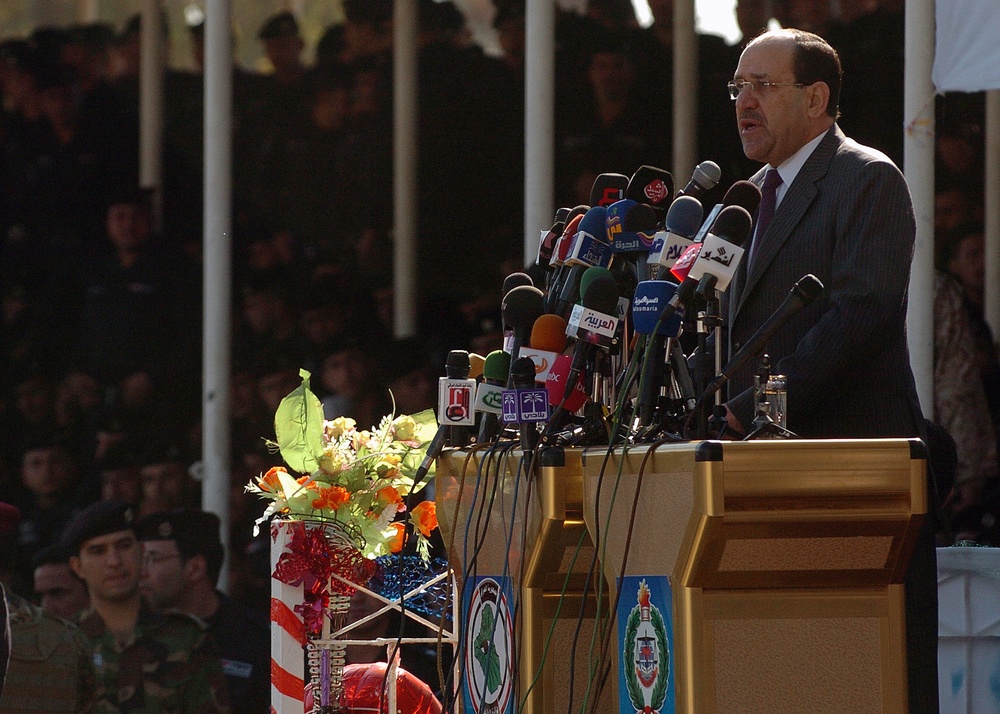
(145, 662)
(183, 556)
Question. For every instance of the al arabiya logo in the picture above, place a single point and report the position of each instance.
(489, 676)
(646, 655)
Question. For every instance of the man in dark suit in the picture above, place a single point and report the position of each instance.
(840, 211)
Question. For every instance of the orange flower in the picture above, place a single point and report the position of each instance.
(269, 481)
(424, 517)
(333, 498)
(389, 494)
(311, 486)
(396, 544)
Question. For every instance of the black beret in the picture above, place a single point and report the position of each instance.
(195, 532)
(95, 520)
(281, 25)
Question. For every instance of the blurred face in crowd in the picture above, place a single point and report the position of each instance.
(110, 565)
(274, 387)
(129, 226)
(120, 485)
(34, 399)
(47, 472)
(283, 53)
(331, 108)
(968, 264)
(164, 486)
(164, 579)
(345, 372)
(610, 75)
(59, 591)
(776, 122)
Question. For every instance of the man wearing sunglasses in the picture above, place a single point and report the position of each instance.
(841, 211)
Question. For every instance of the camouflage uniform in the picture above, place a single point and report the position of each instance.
(50, 664)
(171, 666)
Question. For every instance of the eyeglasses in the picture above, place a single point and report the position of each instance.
(757, 87)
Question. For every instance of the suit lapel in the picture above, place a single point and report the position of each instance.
(790, 211)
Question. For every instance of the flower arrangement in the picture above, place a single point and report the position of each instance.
(357, 479)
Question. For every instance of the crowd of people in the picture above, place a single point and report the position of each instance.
(101, 281)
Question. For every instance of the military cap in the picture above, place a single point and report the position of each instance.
(283, 24)
(97, 519)
(195, 532)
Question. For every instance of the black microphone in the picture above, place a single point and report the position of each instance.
(590, 248)
(705, 177)
(653, 187)
(520, 308)
(496, 369)
(457, 366)
(592, 323)
(607, 189)
(522, 376)
(722, 252)
(744, 194)
(514, 280)
(549, 238)
(802, 294)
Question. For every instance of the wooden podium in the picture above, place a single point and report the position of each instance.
(785, 559)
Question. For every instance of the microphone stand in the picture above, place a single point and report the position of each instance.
(703, 367)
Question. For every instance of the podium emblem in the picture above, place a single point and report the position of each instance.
(488, 677)
(645, 657)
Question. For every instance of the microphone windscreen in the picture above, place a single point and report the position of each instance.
(522, 373)
(555, 384)
(745, 194)
(590, 274)
(707, 175)
(562, 215)
(652, 186)
(607, 189)
(601, 295)
(594, 222)
(497, 366)
(515, 280)
(733, 224)
(521, 307)
(651, 297)
(630, 226)
(457, 364)
(808, 288)
(476, 363)
(548, 333)
(684, 217)
(566, 242)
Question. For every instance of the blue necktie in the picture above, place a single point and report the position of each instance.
(768, 202)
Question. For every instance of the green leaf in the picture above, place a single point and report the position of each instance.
(298, 425)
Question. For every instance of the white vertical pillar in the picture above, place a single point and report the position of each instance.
(992, 296)
(918, 165)
(153, 63)
(539, 121)
(685, 85)
(404, 172)
(217, 268)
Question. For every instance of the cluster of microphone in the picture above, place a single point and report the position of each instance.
(592, 347)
